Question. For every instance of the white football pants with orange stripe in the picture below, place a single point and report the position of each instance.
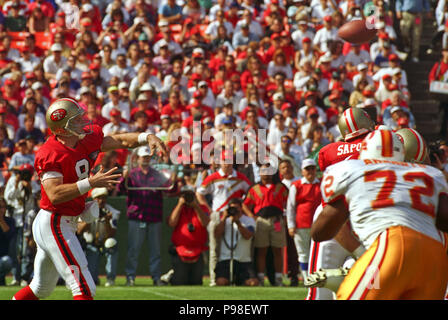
(59, 253)
(326, 255)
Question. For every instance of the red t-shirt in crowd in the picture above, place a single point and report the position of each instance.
(247, 77)
(153, 114)
(175, 114)
(307, 198)
(45, 6)
(261, 196)
(189, 245)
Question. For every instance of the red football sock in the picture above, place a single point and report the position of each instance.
(82, 297)
(25, 294)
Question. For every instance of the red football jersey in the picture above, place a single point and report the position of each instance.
(73, 163)
(338, 151)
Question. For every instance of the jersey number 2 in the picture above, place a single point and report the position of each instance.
(383, 198)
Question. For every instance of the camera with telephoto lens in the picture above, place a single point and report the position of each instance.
(435, 151)
(232, 211)
(188, 195)
(24, 175)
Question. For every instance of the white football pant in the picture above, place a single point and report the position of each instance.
(326, 255)
(59, 253)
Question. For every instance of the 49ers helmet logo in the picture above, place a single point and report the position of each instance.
(58, 115)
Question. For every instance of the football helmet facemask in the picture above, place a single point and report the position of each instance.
(355, 122)
(65, 118)
(414, 145)
(382, 145)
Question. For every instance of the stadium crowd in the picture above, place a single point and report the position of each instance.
(164, 66)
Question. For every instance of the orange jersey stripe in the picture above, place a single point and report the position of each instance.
(364, 273)
(386, 137)
(379, 266)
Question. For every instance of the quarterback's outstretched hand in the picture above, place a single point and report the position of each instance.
(155, 144)
(105, 179)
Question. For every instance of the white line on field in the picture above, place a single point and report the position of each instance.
(162, 294)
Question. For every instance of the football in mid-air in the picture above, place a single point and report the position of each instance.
(357, 31)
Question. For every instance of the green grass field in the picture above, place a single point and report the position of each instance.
(144, 290)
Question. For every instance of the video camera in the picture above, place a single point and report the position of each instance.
(434, 150)
(188, 195)
(232, 211)
(24, 175)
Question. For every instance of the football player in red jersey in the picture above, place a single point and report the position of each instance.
(354, 125)
(63, 164)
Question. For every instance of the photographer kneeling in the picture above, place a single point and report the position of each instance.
(189, 220)
(234, 236)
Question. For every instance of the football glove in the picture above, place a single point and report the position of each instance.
(326, 278)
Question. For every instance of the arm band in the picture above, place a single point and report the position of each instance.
(83, 185)
(358, 252)
(143, 138)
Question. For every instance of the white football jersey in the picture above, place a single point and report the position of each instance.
(381, 194)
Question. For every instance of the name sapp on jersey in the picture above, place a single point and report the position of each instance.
(348, 148)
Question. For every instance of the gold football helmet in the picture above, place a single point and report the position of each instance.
(65, 118)
(414, 145)
(355, 122)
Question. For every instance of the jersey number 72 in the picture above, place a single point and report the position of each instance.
(384, 199)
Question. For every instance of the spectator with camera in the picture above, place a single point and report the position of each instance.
(444, 147)
(189, 221)
(438, 156)
(99, 236)
(7, 236)
(30, 248)
(222, 185)
(234, 234)
(266, 202)
(20, 193)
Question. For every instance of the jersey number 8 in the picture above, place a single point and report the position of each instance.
(82, 169)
